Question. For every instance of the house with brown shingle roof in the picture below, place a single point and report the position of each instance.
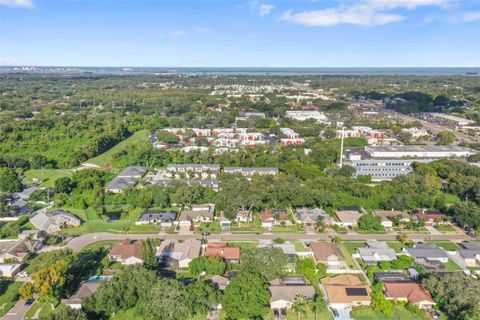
(346, 291)
(127, 252)
(229, 253)
(329, 254)
(413, 292)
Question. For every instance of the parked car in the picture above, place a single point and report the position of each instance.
(23, 274)
(435, 314)
(335, 313)
(276, 314)
(205, 233)
(283, 312)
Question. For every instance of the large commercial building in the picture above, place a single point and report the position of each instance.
(305, 115)
(388, 162)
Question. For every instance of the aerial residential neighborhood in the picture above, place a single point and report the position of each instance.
(240, 160)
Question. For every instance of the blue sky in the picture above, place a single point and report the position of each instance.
(322, 33)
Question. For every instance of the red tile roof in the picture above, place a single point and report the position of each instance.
(412, 291)
(222, 250)
(127, 249)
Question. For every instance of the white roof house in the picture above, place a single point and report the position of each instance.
(9, 270)
(51, 222)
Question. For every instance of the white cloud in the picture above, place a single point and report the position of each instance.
(176, 35)
(17, 3)
(265, 9)
(201, 29)
(368, 12)
(471, 16)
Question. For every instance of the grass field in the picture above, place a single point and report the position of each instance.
(446, 245)
(287, 229)
(8, 295)
(105, 159)
(348, 256)
(399, 313)
(46, 177)
(451, 266)
(396, 245)
(445, 228)
(352, 246)
(99, 244)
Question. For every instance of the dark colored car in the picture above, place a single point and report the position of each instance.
(335, 313)
(435, 314)
(205, 233)
(276, 314)
(283, 312)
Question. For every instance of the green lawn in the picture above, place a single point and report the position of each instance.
(113, 227)
(287, 229)
(46, 177)
(399, 313)
(300, 247)
(243, 244)
(99, 244)
(352, 246)
(348, 256)
(358, 230)
(396, 245)
(445, 228)
(212, 227)
(8, 295)
(451, 266)
(105, 159)
(447, 245)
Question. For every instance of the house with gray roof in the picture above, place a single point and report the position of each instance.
(163, 218)
(85, 290)
(54, 221)
(469, 254)
(287, 247)
(308, 217)
(20, 206)
(376, 252)
(197, 214)
(135, 172)
(178, 253)
(26, 193)
(118, 185)
(426, 252)
(17, 250)
(205, 171)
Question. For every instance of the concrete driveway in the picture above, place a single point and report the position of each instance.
(343, 314)
(18, 311)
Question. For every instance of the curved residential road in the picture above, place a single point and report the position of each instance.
(80, 242)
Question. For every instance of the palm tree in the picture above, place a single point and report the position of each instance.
(300, 305)
(318, 305)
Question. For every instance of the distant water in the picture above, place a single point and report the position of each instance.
(248, 71)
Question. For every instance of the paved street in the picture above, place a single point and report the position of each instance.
(18, 311)
(78, 243)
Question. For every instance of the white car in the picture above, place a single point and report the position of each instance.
(23, 274)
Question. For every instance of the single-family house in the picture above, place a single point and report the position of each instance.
(329, 254)
(135, 172)
(431, 218)
(32, 235)
(220, 283)
(197, 214)
(391, 276)
(179, 254)
(230, 254)
(309, 217)
(386, 217)
(26, 193)
(163, 218)
(244, 215)
(20, 206)
(283, 295)
(409, 291)
(345, 291)
(17, 250)
(127, 252)
(118, 185)
(427, 252)
(469, 254)
(53, 221)
(85, 290)
(348, 216)
(376, 252)
(272, 217)
(9, 270)
(287, 247)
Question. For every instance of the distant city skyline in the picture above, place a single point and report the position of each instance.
(364, 33)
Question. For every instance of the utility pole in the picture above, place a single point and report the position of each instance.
(341, 148)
